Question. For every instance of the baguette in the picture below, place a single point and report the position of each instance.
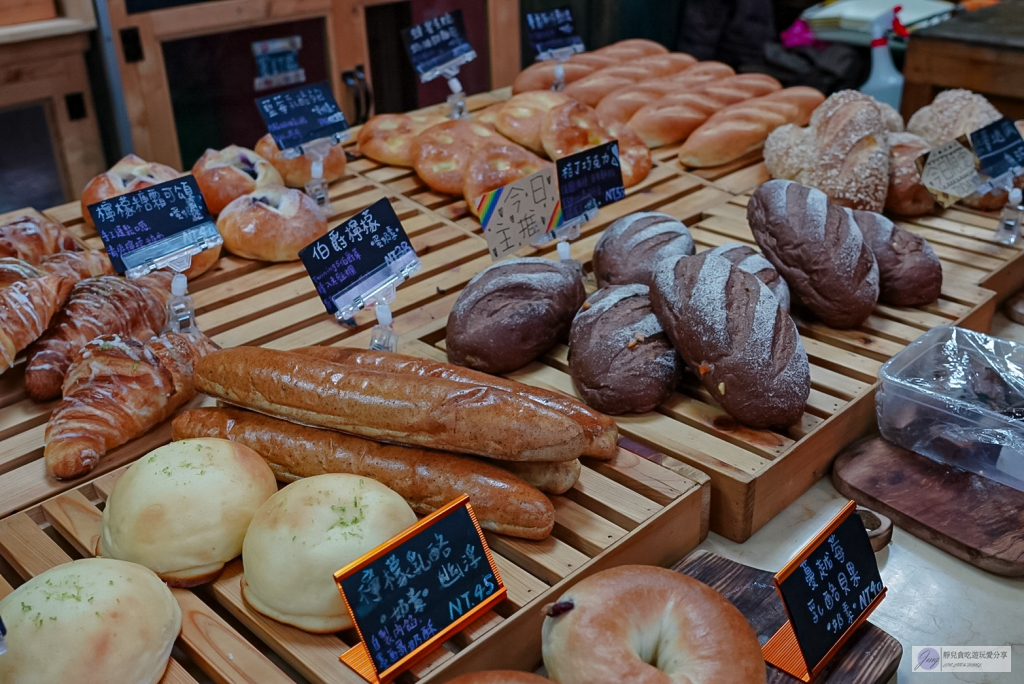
(599, 429)
(550, 478)
(415, 411)
(742, 128)
(427, 480)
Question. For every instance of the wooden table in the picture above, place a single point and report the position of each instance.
(982, 51)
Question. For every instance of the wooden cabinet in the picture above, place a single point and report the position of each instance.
(53, 144)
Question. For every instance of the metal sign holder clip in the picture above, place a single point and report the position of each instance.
(450, 70)
(316, 151)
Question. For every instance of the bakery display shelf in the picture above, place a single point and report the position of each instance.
(627, 509)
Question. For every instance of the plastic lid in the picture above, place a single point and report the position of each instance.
(564, 251)
(1015, 196)
(179, 285)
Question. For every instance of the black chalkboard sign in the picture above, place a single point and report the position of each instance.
(552, 30)
(153, 222)
(358, 255)
(590, 175)
(420, 587)
(999, 147)
(830, 590)
(301, 115)
(437, 42)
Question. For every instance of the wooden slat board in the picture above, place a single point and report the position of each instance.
(628, 505)
(755, 473)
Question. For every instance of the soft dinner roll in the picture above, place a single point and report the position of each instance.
(183, 509)
(223, 175)
(632, 48)
(541, 75)
(91, 621)
(296, 171)
(387, 138)
(665, 64)
(646, 625)
(441, 153)
(305, 533)
(271, 223)
(131, 173)
(520, 118)
(500, 677)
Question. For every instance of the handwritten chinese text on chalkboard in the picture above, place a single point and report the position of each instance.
(437, 42)
(423, 586)
(831, 589)
(130, 222)
(999, 147)
(592, 174)
(552, 30)
(301, 115)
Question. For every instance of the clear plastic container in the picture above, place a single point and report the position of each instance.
(957, 397)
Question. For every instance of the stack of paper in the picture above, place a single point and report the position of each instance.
(858, 15)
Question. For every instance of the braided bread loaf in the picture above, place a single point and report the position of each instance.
(729, 328)
(818, 248)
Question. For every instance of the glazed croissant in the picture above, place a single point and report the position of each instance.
(74, 265)
(107, 305)
(26, 308)
(115, 391)
(31, 238)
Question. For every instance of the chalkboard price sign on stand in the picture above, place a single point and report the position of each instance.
(553, 31)
(410, 594)
(829, 590)
(302, 115)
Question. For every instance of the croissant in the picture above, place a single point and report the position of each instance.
(31, 238)
(13, 270)
(78, 265)
(107, 305)
(26, 308)
(115, 391)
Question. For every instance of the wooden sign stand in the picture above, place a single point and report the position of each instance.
(358, 657)
(783, 650)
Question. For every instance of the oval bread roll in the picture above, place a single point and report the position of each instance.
(296, 171)
(223, 175)
(90, 621)
(271, 224)
(520, 118)
(306, 532)
(183, 509)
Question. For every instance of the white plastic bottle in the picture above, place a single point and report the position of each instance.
(885, 83)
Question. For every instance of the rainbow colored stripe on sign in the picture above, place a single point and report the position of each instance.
(485, 206)
(556, 217)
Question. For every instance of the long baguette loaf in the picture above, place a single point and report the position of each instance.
(551, 478)
(599, 429)
(742, 128)
(388, 407)
(427, 480)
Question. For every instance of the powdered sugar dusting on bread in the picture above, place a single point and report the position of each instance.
(709, 300)
(951, 114)
(551, 280)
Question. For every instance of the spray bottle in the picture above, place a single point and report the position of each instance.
(885, 83)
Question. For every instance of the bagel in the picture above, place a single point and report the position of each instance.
(647, 625)
(129, 174)
(296, 171)
(500, 677)
(441, 153)
(387, 138)
(663, 65)
(541, 75)
(494, 166)
(520, 118)
(223, 175)
(573, 127)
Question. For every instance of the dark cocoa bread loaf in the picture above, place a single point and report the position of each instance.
(620, 359)
(818, 248)
(753, 262)
(729, 328)
(909, 273)
(512, 312)
(632, 246)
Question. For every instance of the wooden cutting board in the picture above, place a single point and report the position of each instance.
(871, 656)
(969, 516)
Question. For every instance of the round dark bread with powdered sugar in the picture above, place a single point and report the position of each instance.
(753, 262)
(620, 358)
(818, 248)
(632, 246)
(909, 273)
(512, 312)
(729, 328)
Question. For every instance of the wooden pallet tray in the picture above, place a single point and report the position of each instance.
(624, 510)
